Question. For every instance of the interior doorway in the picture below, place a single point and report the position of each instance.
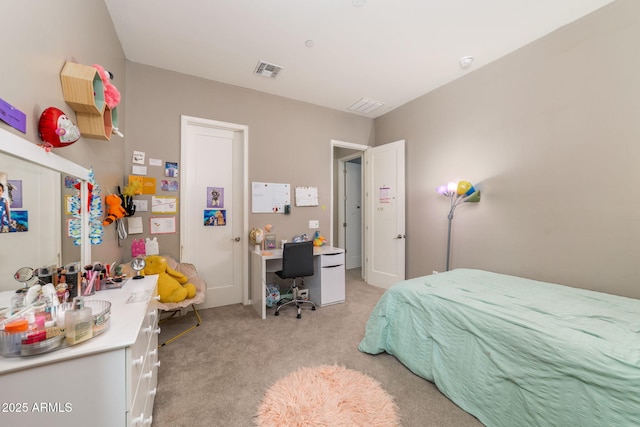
(347, 229)
(350, 209)
(382, 206)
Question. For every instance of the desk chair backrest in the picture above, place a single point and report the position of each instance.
(297, 260)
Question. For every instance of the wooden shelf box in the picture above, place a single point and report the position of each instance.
(96, 126)
(82, 88)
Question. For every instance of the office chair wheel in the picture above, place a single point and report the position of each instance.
(299, 316)
(313, 308)
(277, 313)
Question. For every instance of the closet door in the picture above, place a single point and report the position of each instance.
(212, 224)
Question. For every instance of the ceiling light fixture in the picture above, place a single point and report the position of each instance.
(309, 43)
(365, 106)
(466, 61)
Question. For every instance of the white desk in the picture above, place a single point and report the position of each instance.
(107, 381)
(326, 286)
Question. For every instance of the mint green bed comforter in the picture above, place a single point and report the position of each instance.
(513, 351)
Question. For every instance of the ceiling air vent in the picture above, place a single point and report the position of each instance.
(365, 106)
(267, 70)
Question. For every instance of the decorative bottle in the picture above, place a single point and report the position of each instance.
(78, 322)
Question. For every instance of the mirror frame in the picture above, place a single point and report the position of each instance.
(21, 148)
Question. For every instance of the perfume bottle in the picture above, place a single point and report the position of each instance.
(78, 322)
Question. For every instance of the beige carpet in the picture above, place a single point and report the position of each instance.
(217, 374)
(327, 396)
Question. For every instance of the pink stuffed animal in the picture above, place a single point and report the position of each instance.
(111, 93)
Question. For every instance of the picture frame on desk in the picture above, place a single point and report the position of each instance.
(270, 241)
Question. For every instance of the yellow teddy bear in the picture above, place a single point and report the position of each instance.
(172, 285)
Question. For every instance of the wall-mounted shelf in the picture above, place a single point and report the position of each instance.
(82, 88)
(97, 126)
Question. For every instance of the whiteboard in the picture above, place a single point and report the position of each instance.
(269, 197)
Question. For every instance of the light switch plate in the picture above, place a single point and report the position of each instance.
(314, 223)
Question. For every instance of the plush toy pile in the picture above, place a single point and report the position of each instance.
(172, 285)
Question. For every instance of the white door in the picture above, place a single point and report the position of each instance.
(385, 214)
(353, 214)
(213, 229)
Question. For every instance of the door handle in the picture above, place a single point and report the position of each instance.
(237, 239)
(400, 236)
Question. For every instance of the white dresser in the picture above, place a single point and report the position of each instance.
(107, 381)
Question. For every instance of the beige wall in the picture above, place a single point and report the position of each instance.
(550, 135)
(38, 36)
(289, 141)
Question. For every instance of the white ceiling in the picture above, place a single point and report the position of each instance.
(390, 51)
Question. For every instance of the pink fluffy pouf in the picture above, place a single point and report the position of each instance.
(327, 396)
(111, 93)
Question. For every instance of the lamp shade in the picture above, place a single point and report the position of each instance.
(473, 198)
(463, 187)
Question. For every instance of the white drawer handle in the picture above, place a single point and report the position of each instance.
(157, 298)
(157, 331)
(153, 392)
(153, 352)
(148, 330)
(137, 420)
(148, 421)
(148, 375)
(157, 364)
(138, 362)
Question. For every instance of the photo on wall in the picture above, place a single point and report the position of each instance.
(215, 217)
(19, 221)
(171, 169)
(215, 197)
(168, 185)
(15, 193)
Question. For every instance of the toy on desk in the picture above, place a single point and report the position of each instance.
(318, 240)
(301, 238)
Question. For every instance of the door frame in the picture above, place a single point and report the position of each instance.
(352, 146)
(342, 181)
(244, 232)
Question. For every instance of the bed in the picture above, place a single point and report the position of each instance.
(514, 351)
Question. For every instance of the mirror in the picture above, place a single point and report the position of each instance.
(138, 264)
(25, 275)
(39, 175)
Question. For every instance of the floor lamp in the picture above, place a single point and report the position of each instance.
(457, 193)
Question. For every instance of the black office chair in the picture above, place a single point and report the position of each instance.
(297, 262)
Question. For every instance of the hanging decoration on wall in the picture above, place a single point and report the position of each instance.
(56, 129)
(95, 214)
